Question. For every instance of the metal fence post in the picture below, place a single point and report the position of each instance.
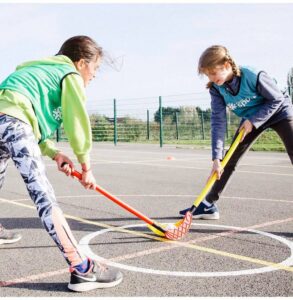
(202, 125)
(148, 125)
(161, 121)
(177, 129)
(115, 123)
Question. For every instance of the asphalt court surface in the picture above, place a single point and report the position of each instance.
(247, 252)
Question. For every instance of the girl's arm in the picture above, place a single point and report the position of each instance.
(48, 148)
(77, 125)
(75, 118)
(218, 123)
(267, 87)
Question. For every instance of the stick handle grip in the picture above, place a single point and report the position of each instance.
(117, 201)
(213, 179)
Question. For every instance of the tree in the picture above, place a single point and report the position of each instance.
(169, 113)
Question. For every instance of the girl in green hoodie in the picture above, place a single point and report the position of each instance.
(34, 101)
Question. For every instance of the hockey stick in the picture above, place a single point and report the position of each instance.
(173, 232)
(213, 178)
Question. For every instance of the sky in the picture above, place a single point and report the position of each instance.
(155, 46)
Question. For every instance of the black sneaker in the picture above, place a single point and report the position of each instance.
(8, 237)
(97, 277)
(204, 212)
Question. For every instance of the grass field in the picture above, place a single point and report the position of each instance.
(268, 141)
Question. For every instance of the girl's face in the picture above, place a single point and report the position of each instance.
(87, 70)
(220, 74)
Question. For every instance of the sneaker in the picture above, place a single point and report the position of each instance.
(97, 277)
(8, 237)
(204, 212)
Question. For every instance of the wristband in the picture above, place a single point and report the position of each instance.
(85, 171)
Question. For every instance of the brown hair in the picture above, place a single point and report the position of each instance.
(81, 46)
(216, 56)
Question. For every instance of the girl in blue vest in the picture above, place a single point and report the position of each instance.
(253, 96)
(34, 101)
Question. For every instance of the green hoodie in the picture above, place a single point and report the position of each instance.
(43, 94)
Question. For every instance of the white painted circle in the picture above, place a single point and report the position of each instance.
(84, 244)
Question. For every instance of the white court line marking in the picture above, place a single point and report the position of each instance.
(99, 162)
(197, 168)
(35, 277)
(258, 199)
(198, 240)
(128, 256)
(54, 273)
(134, 161)
(206, 163)
(130, 151)
(201, 157)
(163, 196)
(39, 276)
(266, 166)
(284, 265)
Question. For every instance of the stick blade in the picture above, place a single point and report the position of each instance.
(182, 229)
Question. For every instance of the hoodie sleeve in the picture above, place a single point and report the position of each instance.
(48, 148)
(274, 98)
(218, 124)
(75, 118)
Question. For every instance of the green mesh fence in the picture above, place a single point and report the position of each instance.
(185, 120)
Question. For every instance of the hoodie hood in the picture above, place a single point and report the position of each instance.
(52, 60)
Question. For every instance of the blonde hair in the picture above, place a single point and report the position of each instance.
(216, 56)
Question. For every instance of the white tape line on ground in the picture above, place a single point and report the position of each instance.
(162, 196)
(84, 244)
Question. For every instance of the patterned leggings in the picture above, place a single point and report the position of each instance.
(18, 142)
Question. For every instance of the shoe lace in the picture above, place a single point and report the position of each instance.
(101, 266)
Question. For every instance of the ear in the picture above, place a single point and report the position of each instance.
(227, 65)
(79, 64)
